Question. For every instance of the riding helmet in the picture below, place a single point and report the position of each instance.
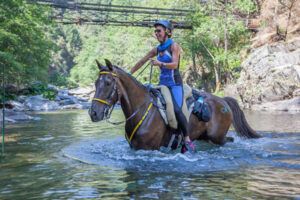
(165, 23)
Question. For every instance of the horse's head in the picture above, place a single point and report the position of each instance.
(106, 94)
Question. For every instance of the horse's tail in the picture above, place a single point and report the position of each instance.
(239, 121)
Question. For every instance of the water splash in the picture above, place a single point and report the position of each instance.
(271, 151)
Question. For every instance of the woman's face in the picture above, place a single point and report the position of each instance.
(160, 33)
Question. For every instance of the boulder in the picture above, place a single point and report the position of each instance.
(16, 106)
(72, 106)
(83, 93)
(271, 73)
(37, 103)
(291, 105)
(12, 116)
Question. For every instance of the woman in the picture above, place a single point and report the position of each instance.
(168, 55)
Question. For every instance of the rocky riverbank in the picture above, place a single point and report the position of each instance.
(16, 110)
(270, 78)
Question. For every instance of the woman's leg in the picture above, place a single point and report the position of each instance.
(177, 97)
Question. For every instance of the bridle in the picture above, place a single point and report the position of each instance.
(109, 108)
(108, 102)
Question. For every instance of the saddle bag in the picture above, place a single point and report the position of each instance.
(202, 110)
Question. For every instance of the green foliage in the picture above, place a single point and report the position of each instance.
(27, 41)
(38, 88)
(8, 96)
(68, 45)
(25, 50)
(58, 79)
(123, 46)
(208, 39)
(244, 6)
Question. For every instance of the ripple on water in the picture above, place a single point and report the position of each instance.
(276, 152)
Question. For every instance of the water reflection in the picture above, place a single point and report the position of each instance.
(35, 165)
(274, 182)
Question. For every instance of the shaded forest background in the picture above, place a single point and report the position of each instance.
(35, 48)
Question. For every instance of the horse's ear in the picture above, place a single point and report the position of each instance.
(108, 64)
(100, 66)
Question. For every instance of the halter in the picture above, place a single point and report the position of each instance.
(102, 100)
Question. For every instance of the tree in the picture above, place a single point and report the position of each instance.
(25, 50)
(218, 36)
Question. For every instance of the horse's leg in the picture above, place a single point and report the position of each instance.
(196, 128)
(220, 122)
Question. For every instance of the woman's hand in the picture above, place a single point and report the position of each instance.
(155, 62)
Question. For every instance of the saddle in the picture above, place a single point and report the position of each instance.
(194, 102)
(165, 104)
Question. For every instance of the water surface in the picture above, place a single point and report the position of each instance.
(66, 156)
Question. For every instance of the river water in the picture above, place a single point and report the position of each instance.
(66, 156)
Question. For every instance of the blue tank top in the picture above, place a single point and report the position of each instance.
(168, 77)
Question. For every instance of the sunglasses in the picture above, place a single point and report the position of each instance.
(157, 31)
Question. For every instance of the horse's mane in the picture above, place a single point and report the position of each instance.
(131, 77)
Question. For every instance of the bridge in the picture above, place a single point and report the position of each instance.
(76, 12)
(79, 12)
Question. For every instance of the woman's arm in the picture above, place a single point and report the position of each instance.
(141, 62)
(175, 48)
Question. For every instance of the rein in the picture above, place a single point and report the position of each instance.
(107, 112)
(143, 70)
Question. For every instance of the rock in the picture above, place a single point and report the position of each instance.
(53, 87)
(21, 98)
(73, 106)
(296, 93)
(83, 93)
(231, 91)
(270, 73)
(85, 105)
(16, 106)
(11, 89)
(37, 103)
(273, 21)
(63, 93)
(292, 105)
(15, 116)
(67, 100)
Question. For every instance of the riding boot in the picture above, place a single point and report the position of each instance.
(188, 146)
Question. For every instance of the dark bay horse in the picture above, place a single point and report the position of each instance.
(144, 127)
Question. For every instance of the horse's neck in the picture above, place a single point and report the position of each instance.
(133, 95)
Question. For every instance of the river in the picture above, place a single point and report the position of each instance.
(66, 156)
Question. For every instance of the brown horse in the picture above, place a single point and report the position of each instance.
(145, 128)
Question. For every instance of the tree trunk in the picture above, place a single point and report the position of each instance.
(289, 18)
(225, 64)
(217, 76)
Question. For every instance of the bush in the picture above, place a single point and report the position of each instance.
(38, 88)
